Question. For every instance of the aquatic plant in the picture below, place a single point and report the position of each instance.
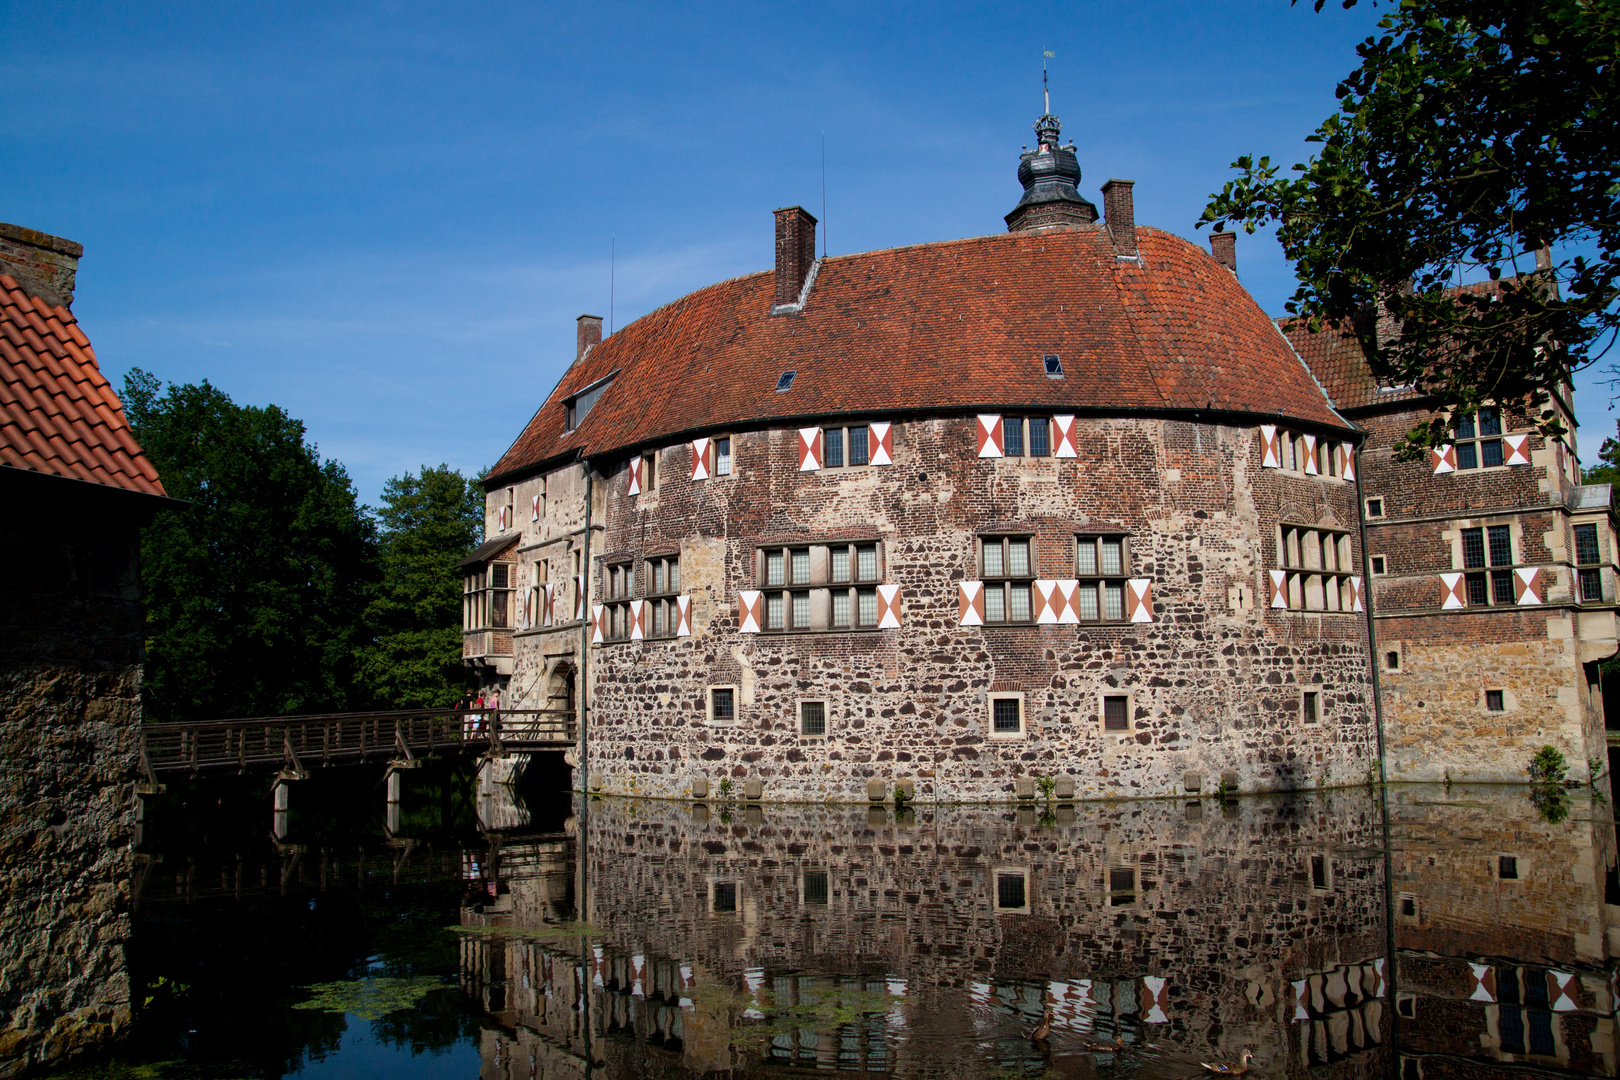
(371, 999)
(1548, 767)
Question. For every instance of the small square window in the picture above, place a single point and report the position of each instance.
(813, 888)
(1409, 907)
(786, 381)
(723, 897)
(1007, 715)
(1054, 366)
(722, 704)
(1494, 702)
(1310, 707)
(1012, 890)
(1507, 867)
(1378, 564)
(1375, 508)
(813, 718)
(1392, 660)
(1116, 713)
(1406, 1004)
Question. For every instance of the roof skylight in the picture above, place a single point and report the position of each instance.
(786, 381)
(1054, 366)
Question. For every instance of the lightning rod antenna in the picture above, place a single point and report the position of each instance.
(1046, 92)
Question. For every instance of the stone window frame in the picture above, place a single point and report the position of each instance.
(1405, 1001)
(1305, 584)
(1100, 580)
(798, 719)
(1494, 578)
(1007, 582)
(1507, 703)
(618, 588)
(844, 445)
(714, 456)
(1324, 861)
(1025, 434)
(1130, 712)
(1021, 872)
(708, 706)
(990, 700)
(821, 587)
(1375, 500)
(1312, 705)
(826, 873)
(1401, 900)
(1587, 572)
(1521, 866)
(1478, 441)
(662, 602)
(1400, 661)
(711, 884)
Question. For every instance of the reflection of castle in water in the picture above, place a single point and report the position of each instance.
(1156, 935)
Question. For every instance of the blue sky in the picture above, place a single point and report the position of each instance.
(385, 217)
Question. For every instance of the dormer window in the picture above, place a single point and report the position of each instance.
(1054, 366)
(580, 405)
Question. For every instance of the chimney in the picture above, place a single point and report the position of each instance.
(589, 333)
(1119, 208)
(44, 265)
(1223, 245)
(795, 251)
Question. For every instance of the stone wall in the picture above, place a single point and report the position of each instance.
(1214, 682)
(70, 655)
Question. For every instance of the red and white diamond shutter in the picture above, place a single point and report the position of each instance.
(1139, 599)
(989, 430)
(1355, 595)
(700, 459)
(1270, 447)
(880, 443)
(1482, 982)
(1067, 598)
(1153, 1000)
(534, 508)
(1518, 449)
(1063, 444)
(579, 597)
(1453, 591)
(809, 449)
(750, 611)
(1311, 468)
(1347, 461)
(888, 607)
(970, 603)
(596, 624)
(1561, 991)
(683, 616)
(1046, 601)
(1527, 585)
(503, 518)
(1444, 458)
(638, 616)
(634, 486)
(1279, 588)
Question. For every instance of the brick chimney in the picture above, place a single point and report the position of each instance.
(589, 333)
(795, 251)
(44, 265)
(1119, 209)
(1223, 245)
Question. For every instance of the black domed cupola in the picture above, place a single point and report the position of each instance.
(1050, 174)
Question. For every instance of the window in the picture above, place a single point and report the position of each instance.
(1479, 439)
(723, 897)
(813, 719)
(1012, 890)
(1007, 567)
(820, 587)
(785, 382)
(487, 597)
(845, 447)
(1321, 874)
(813, 887)
(1408, 908)
(722, 456)
(1392, 661)
(662, 586)
(579, 406)
(1507, 867)
(1310, 707)
(1102, 564)
(1490, 546)
(1116, 713)
(1318, 564)
(1378, 564)
(1007, 715)
(722, 704)
(1406, 1004)
(1121, 886)
(1054, 366)
(1587, 557)
(1375, 508)
(617, 580)
(1039, 440)
(1494, 702)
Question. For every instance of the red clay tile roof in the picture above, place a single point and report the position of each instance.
(958, 326)
(58, 413)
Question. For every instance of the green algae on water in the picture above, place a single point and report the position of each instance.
(371, 999)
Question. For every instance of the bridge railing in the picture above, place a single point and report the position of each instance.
(343, 738)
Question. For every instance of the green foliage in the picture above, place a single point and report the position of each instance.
(1047, 784)
(725, 787)
(1474, 133)
(426, 524)
(255, 590)
(371, 999)
(1548, 767)
(1552, 803)
(1607, 471)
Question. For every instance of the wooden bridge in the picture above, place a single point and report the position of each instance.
(295, 744)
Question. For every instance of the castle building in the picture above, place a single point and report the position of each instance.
(1055, 507)
(1492, 579)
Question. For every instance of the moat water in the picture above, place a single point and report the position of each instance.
(1418, 932)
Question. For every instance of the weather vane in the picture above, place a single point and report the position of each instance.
(1046, 92)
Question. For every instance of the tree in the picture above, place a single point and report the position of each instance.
(1607, 470)
(428, 523)
(254, 591)
(1474, 135)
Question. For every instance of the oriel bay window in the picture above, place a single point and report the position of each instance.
(486, 597)
(817, 587)
(1101, 565)
(1588, 560)
(663, 584)
(1007, 568)
(1488, 553)
(1318, 568)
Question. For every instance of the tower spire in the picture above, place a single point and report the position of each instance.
(1046, 92)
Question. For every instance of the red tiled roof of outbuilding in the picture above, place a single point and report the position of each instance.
(956, 326)
(58, 414)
